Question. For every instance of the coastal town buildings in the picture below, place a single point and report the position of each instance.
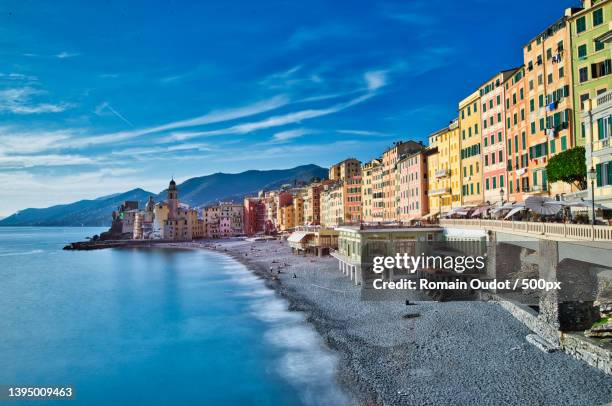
(348, 168)
(597, 119)
(438, 176)
(517, 165)
(590, 57)
(371, 191)
(493, 114)
(224, 219)
(254, 215)
(312, 204)
(471, 151)
(548, 61)
(390, 186)
(414, 202)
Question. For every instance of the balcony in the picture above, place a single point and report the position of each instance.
(439, 192)
(442, 173)
(600, 145)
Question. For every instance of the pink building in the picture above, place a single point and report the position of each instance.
(494, 157)
(413, 200)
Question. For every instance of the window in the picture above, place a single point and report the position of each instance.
(494, 182)
(549, 53)
(499, 117)
(510, 188)
(582, 51)
(560, 46)
(462, 114)
(487, 184)
(523, 140)
(600, 69)
(533, 127)
(498, 100)
(501, 156)
(522, 94)
(581, 25)
(531, 85)
(516, 144)
(552, 147)
(550, 78)
(515, 118)
(599, 45)
(583, 98)
(509, 146)
(475, 107)
(563, 143)
(478, 187)
(486, 141)
(541, 100)
(484, 107)
(603, 130)
(499, 136)
(471, 188)
(597, 17)
(501, 180)
(583, 74)
(493, 159)
(540, 80)
(604, 174)
(514, 99)
(469, 110)
(522, 114)
(475, 128)
(532, 105)
(492, 139)
(561, 72)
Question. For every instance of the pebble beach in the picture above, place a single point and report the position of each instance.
(427, 352)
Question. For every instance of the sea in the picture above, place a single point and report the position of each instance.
(151, 326)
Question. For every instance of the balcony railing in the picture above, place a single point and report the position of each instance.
(441, 173)
(439, 192)
(598, 145)
(551, 230)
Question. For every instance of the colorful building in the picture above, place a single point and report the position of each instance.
(438, 172)
(254, 215)
(590, 58)
(298, 210)
(471, 152)
(390, 188)
(494, 153)
(352, 200)
(371, 191)
(548, 64)
(312, 204)
(414, 202)
(517, 158)
(346, 169)
(224, 219)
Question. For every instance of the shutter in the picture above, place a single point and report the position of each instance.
(609, 171)
(566, 90)
(599, 179)
(601, 128)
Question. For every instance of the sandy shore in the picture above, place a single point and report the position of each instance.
(452, 353)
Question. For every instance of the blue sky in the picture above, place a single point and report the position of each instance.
(102, 97)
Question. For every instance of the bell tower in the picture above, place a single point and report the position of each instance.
(172, 200)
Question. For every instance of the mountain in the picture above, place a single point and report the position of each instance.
(96, 212)
(195, 192)
(234, 186)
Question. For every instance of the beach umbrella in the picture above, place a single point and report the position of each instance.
(542, 205)
(586, 204)
(514, 211)
(505, 206)
(480, 210)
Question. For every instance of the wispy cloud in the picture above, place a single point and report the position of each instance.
(375, 79)
(363, 133)
(18, 77)
(14, 141)
(308, 35)
(64, 55)
(31, 161)
(19, 101)
(284, 136)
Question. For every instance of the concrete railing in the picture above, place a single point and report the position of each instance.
(552, 230)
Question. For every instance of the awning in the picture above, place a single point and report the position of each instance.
(298, 236)
(480, 210)
(514, 211)
(428, 215)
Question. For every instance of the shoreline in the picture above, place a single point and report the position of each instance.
(452, 352)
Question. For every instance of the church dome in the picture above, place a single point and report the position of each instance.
(172, 185)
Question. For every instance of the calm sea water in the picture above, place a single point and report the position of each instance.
(151, 326)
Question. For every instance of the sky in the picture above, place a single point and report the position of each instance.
(99, 97)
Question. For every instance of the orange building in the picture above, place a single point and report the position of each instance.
(390, 185)
(517, 145)
(548, 75)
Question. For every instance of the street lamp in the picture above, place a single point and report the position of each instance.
(592, 174)
(501, 196)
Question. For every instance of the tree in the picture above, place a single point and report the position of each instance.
(569, 167)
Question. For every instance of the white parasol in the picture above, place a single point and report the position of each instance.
(514, 211)
(542, 205)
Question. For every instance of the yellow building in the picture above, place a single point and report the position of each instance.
(332, 205)
(286, 218)
(298, 210)
(470, 155)
(346, 169)
(454, 159)
(439, 172)
(371, 190)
